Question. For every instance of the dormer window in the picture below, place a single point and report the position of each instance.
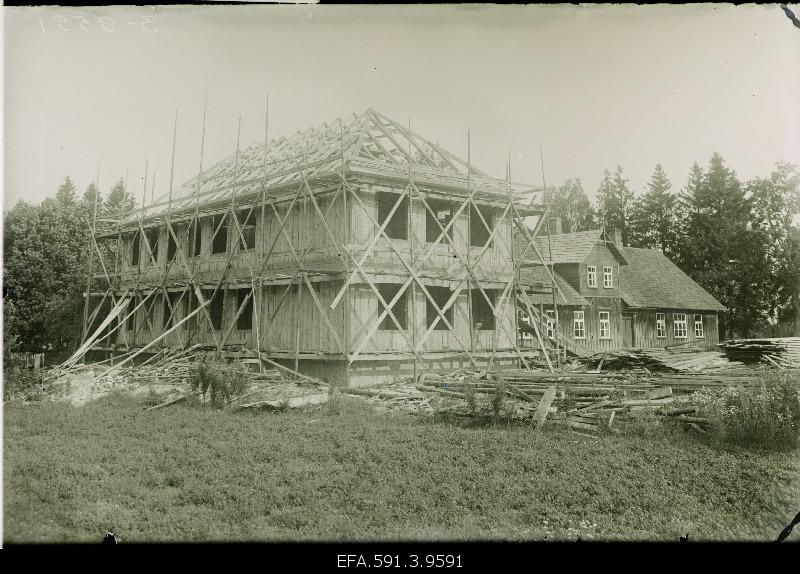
(591, 276)
(608, 281)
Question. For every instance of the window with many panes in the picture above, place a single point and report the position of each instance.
(661, 326)
(388, 291)
(698, 326)
(679, 325)
(608, 279)
(397, 228)
(578, 325)
(591, 276)
(605, 324)
(525, 318)
(550, 317)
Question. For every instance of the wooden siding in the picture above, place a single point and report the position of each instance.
(600, 256)
(644, 326)
(495, 262)
(367, 309)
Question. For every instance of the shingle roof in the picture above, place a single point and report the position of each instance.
(537, 278)
(567, 247)
(650, 279)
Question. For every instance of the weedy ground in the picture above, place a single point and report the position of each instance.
(342, 472)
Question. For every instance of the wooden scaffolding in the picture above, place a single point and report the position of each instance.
(312, 226)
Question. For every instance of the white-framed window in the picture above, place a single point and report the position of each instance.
(698, 326)
(550, 317)
(523, 316)
(605, 324)
(679, 325)
(608, 279)
(591, 275)
(578, 325)
(661, 326)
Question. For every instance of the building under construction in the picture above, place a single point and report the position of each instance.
(352, 251)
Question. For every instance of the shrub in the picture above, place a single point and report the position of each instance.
(498, 398)
(766, 415)
(21, 383)
(471, 399)
(222, 381)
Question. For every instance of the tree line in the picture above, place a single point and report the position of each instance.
(46, 253)
(739, 240)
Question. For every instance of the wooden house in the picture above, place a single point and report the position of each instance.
(351, 251)
(608, 296)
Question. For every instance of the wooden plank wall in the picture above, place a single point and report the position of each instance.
(495, 262)
(645, 329)
(303, 226)
(644, 325)
(367, 309)
(315, 336)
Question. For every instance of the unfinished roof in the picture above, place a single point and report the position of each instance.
(369, 143)
(650, 279)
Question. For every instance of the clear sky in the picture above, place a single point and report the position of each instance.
(595, 86)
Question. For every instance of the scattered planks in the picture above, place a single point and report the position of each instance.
(582, 401)
(544, 406)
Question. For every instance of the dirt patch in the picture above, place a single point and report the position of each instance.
(83, 386)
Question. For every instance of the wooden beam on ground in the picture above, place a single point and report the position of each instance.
(544, 406)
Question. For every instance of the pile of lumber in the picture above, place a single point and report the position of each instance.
(628, 359)
(691, 360)
(583, 401)
(780, 352)
(671, 360)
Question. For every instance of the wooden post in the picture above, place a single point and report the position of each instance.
(514, 276)
(552, 272)
(297, 322)
(348, 304)
(410, 224)
(91, 258)
(469, 256)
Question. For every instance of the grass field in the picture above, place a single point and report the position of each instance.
(186, 474)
